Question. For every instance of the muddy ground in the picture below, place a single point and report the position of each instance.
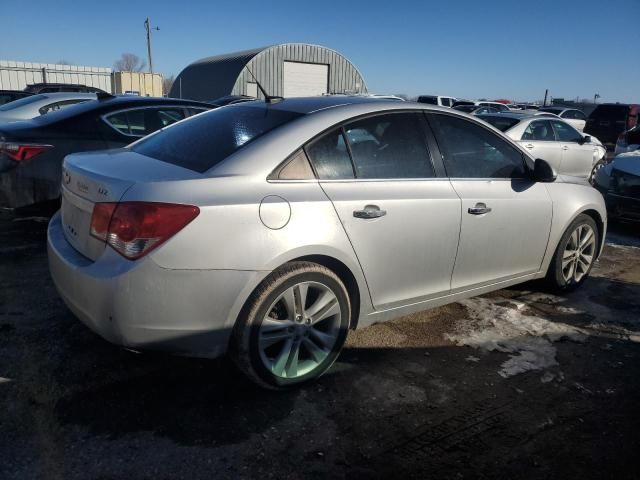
(516, 384)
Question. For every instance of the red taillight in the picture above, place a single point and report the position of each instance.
(21, 152)
(133, 229)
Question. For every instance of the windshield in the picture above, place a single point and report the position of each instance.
(501, 123)
(205, 140)
(21, 103)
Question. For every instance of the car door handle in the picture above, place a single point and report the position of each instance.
(528, 145)
(369, 211)
(565, 147)
(479, 209)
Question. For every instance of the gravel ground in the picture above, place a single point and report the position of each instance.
(516, 384)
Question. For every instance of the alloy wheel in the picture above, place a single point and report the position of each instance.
(300, 330)
(578, 253)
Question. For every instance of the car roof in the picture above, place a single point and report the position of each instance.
(306, 105)
(110, 103)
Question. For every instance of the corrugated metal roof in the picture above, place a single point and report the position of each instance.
(213, 77)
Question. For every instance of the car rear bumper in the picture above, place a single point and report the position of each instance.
(141, 305)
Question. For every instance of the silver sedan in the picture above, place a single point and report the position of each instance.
(546, 136)
(268, 230)
(41, 104)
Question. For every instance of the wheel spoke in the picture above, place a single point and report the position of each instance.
(301, 291)
(273, 335)
(587, 238)
(314, 350)
(291, 367)
(325, 339)
(326, 305)
(281, 361)
(574, 239)
(289, 299)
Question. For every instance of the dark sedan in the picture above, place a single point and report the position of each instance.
(31, 152)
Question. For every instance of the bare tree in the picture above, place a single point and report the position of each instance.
(129, 62)
(167, 83)
(63, 62)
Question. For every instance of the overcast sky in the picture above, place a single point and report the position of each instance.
(467, 48)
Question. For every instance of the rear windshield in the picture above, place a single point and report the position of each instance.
(501, 123)
(610, 112)
(20, 103)
(205, 140)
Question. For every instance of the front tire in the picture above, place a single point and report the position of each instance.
(575, 255)
(293, 326)
(594, 171)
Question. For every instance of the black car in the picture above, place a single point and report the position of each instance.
(61, 87)
(32, 151)
(7, 96)
(609, 120)
(619, 183)
(629, 140)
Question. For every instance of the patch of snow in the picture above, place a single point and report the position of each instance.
(527, 339)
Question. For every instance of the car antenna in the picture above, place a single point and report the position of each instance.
(267, 98)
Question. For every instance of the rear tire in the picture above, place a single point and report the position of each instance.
(293, 326)
(575, 255)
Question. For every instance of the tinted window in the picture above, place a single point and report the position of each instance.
(445, 102)
(206, 140)
(297, 168)
(540, 130)
(471, 151)
(565, 132)
(428, 99)
(389, 146)
(610, 112)
(501, 123)
(20, 103)
(330, 157)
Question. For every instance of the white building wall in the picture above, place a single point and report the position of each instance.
(17, 75)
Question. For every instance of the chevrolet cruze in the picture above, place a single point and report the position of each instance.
(269, 229)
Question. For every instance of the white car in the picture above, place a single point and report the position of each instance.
(501, 107)
(569, 151)
(440, 100)
(576, 118)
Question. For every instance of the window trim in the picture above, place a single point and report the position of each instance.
(105, 116)
(523, 155)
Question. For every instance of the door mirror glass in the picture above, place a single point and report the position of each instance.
(543, 172)
(586, 139)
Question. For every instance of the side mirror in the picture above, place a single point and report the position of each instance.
(543, 172)
(586, 139)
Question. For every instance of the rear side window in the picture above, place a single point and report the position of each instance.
(471, 151)
(206, 140)
(539, 130)
(330, 157)
(390, 146)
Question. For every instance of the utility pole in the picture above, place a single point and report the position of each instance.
(595, 98)
(148, 27)
(546, 94)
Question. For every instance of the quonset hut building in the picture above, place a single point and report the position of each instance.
(288, 70)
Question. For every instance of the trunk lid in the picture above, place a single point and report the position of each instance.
(105, 176)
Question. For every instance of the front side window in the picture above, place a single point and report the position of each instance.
(471, 151)
(389, 146)
(330, 157)
(539, 130)
(565, 132)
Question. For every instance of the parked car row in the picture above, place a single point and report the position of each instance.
(32, 151)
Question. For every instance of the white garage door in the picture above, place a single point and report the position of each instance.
(305, 79)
